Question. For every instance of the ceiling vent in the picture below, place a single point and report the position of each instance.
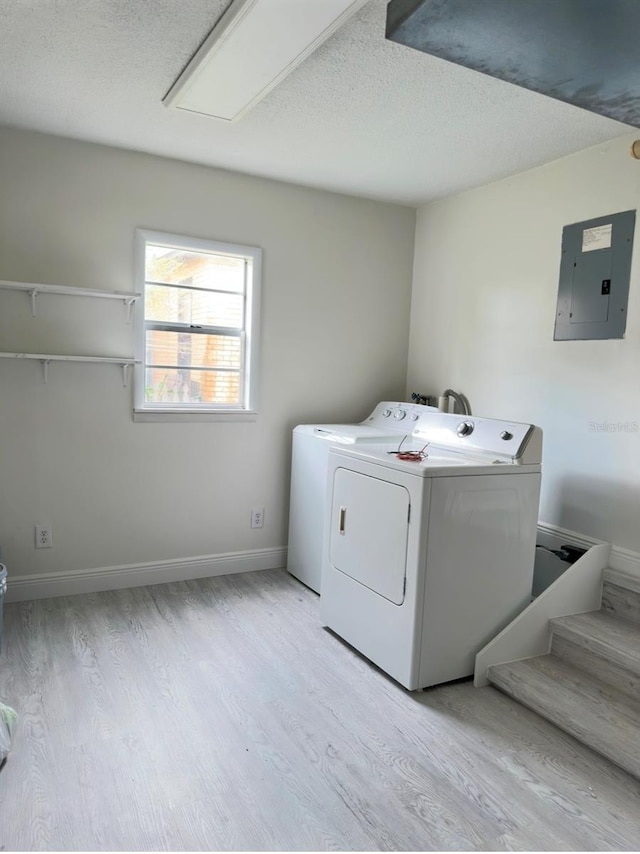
(254, 45)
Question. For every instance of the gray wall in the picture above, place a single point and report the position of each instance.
(335, 320)
(483, 310)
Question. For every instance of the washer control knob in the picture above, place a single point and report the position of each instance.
(399, 414)
(386, 413)
(465, 428)
(415, 416)
(506, 435)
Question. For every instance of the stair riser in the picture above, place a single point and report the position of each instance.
(598, 665)
(566, 722)
(621, 602)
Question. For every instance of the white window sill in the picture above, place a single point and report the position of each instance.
(187, 416)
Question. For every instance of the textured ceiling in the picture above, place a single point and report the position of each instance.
(362, 115)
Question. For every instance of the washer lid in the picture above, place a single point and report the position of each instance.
(348, 434)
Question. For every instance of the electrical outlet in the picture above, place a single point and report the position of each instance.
(257, 517)
(44, 537)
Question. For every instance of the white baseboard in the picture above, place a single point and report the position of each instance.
(46, 585)
(570, 537)
(623, 560)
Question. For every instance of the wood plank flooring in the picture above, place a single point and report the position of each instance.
(218, 714)
(596, 713)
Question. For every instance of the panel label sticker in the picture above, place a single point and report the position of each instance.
(597, 238)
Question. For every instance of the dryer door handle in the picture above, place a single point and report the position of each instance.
(343, 517)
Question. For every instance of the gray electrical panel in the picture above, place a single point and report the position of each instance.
(594, 278)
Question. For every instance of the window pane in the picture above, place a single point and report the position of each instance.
(185, 349)
(199, 307)
(202, 269)
(185, 386)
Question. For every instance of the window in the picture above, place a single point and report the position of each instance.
(196, 326)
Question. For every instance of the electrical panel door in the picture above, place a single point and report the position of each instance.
(594, 278)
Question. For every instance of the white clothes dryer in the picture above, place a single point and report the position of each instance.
(425, 561)
(390, 421)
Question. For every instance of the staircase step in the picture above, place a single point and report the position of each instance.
(621, 596)
(598, 715)
(601, 644)
(615, 676)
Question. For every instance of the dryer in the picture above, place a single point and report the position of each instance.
(389, 422)
(425, 561)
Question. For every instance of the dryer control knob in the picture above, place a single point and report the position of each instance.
(465, 428)
(399, 414)
(386, 413)
(415, 416)
(506, 435)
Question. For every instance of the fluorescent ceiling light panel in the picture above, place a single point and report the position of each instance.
(251, 49)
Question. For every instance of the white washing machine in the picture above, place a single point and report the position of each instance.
(390, 421)
(424, 562)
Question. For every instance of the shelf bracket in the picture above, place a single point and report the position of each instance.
(34, 295)
(125, 374)
(129, 305)
(45, 368)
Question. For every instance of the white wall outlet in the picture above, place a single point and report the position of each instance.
(44, 537)
(257, 517)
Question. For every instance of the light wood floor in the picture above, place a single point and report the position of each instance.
(218, 714)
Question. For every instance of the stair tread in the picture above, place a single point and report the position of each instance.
(597, 714)
(602, 633)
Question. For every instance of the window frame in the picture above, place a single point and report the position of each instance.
(250, 335)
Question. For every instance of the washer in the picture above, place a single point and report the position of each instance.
(424, 562)
(389, 422)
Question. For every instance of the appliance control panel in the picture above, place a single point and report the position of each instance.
(405, 416)
(506, 441)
